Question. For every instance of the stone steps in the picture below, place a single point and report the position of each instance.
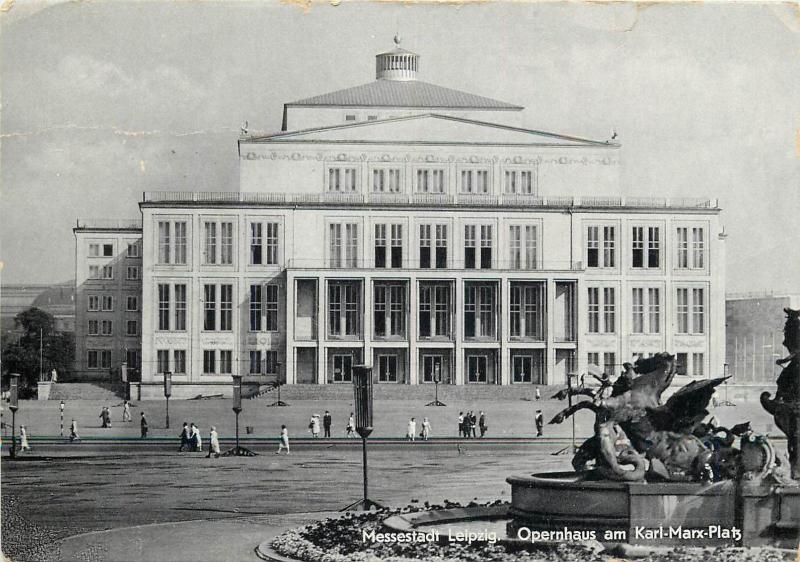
(86, 391)
(412, 392)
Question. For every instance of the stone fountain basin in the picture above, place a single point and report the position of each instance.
(658, 514)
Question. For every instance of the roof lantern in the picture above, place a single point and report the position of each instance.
(397, 64)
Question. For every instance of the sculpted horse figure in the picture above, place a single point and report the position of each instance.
(632, 426)
(784, 407)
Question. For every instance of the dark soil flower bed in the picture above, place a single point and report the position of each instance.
(341, 540)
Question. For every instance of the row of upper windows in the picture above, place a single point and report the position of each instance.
(105, 303)
(435, 242)
(106, 250)
(430, 179)
(344, 309)
(132, 272)
(218, 361)
(106, 328)
(687, 364)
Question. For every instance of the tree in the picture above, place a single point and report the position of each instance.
(22, 356)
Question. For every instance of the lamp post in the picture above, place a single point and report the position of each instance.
(13, 405)
(238, 451)
(167, 392)
(61, 407)
(437, 378)
(278, 384)
(570, 376)
(362, 391)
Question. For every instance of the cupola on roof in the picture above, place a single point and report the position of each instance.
(397, 64)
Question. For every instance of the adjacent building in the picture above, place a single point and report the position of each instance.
(410, 227)
(108, 298)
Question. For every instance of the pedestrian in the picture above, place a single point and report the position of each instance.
(461, 424)
(426, 429)
(313, 426)
(184, 438)
(194, 438)
(126, 411)
(537, 394)
(411, 434)
(54, 376)
(284, 443)
(23, 438)
(473, 422)
(73, 431)
(143, 424)
(351, 426)
(103, 417)
(213, 443)
(482, 423)
(326, 424)
(539, 419)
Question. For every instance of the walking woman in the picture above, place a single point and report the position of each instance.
(426, 429)
(284, 444)
(23, 436)
(213, 443)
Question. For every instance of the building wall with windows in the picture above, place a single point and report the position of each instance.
(108, 298)
(433, 241)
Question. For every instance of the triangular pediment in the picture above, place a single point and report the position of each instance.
(429, 129)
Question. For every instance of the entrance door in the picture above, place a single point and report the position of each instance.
(476, 368)
(431, 368)
(523, 368)
(343, 368)
(387, 368)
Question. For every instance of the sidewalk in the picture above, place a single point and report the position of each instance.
(233, 540)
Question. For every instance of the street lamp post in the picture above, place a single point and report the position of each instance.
(362, 391)
(570, 376)
(278, 384)
(437, 378)
(13, 405)
(61, 407)
(238, 451)
(167, 393)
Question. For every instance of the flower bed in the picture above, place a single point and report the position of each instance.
(341, 540)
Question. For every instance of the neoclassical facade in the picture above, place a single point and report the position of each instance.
(411, 227)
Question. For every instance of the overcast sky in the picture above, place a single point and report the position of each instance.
(104, 100)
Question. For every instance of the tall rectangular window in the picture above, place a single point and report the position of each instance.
(163, 242)
(389, 310)
(271, 307)
(256, 366)
(342, 179)
(380, 245)
(255, 308)
(430, 180)
(94, 250)
(107, 303)
(132, 328)
(522, 246)
(343, 308)
(105, 359)
(163, 306)
(479, 310)
(609, 310)
(698, 311)
(92, 361)
(527, 310)
(93, 303)
(351, 245)
(434, 310)
(397, 246)
(180, 242)
(256, 243)
(654, 309)
(682, 310)
(519, 182)
(210, 254)
(691, 251)
(132, 303)
(271, 362)
(600, 246)
(682, 257)
(335, 245)
(226, 251)
(594, 310)
(469, 246)
(225, 361)
(162, 360)
(209, 361)
(343, 245)
(179, 361)
(93, 328)
(609, 363)
(646, 247)
(108, 272)
(637, 308)
(474, 181)
(424, 246)
(180, 307)
(441, 246)
(272, 243)
(646, 309)
(698, 248)
(698, 364)
(210, 307)
(226, 307)
(486, 246)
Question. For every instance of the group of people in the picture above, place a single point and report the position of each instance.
(105, 414)
(191, 440)
(469, 423)
(314, 425)
(425, 430)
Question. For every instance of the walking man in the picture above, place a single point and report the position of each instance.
(195, 442)
(539, 419)
(126, 411)
(73, 431)
(284, 444)
(184, 438)
(426, 429)
(473, 421)
(23, 436)
(143, 425)
(103, 417)
(326, 424)
(482, 424)
(538, 394)
(411, 434)
(461, 424)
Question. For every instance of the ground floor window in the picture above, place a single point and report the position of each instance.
(342, 368)
(387, 368)
(528, 367)
(480, 368)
